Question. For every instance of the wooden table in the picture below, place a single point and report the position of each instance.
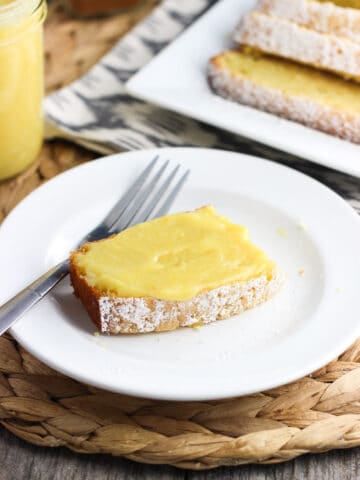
(81, 46)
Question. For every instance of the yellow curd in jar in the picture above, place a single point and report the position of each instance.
(21, 83)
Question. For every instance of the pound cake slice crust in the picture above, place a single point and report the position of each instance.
(278, 36)
(115, 312)
(115, 315)
(316, 99)
(325, 17)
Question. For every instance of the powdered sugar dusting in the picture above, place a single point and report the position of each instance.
(299, 109)
(323, 17)
(287, 39)
(141, 315)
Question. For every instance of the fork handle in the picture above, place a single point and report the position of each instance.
(14, 308)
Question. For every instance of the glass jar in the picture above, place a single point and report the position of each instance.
(21, 83)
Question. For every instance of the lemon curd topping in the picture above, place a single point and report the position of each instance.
(174, 257)
(294, 79)
(21, 83)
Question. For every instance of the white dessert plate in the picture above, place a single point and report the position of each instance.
(176, 79)
(311, 233)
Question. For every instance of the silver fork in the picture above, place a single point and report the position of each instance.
(136, 205)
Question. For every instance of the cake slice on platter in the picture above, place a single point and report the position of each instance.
(339, 17)
(317, 99)
(287, 39)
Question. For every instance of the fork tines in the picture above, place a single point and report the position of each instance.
(150, 196)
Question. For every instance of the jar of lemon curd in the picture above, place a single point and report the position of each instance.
(21, 83)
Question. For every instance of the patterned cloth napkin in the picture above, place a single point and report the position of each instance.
(96, 112)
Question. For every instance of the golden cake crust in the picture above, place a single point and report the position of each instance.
(120, 315)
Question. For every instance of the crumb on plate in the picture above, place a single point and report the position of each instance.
(196, 326)
(302, 226)
(282, 232)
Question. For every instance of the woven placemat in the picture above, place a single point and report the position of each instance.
(314, 414)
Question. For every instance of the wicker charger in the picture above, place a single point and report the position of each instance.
(314, 414)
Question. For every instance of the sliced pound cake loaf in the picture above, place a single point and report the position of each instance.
(317, 99)
(287, 39)
(338, 18)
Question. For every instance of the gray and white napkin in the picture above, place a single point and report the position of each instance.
(96, 112)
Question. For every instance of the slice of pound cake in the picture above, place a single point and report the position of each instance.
(317, 99)
(179, 270)
(338, 18)
(281, 37)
